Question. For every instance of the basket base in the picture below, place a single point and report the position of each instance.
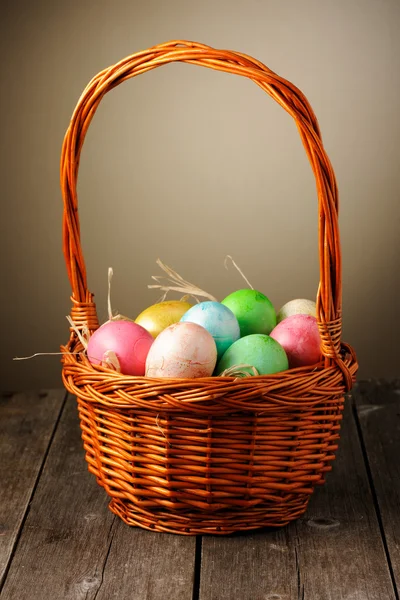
(200, 523)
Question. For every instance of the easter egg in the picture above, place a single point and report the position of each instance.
(159, 316)
(182, 350)
(218, 319)
(253, 310)
(258, 350)
(300, 338)
(130, 343)
(300, 306)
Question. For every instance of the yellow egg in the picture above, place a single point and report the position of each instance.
(159, 316)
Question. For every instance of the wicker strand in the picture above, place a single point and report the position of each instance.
(84, 314)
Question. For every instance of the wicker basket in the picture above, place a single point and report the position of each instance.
(213, 455)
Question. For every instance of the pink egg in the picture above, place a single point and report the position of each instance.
(129, 341)
(299, 337)
(182, 350)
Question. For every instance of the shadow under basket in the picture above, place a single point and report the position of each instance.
(220, 454)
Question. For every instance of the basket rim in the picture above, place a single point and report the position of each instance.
(303, 387)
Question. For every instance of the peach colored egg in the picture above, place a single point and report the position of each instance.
(299, 337)
(182, 350)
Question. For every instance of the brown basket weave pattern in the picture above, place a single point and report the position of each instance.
(211, 455)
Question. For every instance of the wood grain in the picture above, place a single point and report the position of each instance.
(334, 553)
(145, 565)
(27, 422)
(378, 411)
(72, 547)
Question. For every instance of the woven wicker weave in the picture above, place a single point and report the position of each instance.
(213, 455)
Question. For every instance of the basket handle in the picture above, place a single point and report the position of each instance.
(329, 296)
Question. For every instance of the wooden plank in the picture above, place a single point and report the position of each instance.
(378, 411)
(252, 566)
(73, 547)
(143, 565)
(335, 552)
(27, 423)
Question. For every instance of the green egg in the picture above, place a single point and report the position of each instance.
(258, 350)
(253, 310)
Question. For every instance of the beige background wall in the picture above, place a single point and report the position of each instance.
(190, 165)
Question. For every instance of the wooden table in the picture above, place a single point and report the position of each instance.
(58, 540)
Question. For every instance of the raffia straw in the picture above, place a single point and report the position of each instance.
(82, 336)
(161, 429)
(44, 354)
(178, 284)
(229, 257)
(110, 275)
(110, 360)
(111, 317)
(238, 371)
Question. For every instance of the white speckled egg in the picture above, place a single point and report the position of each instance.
(300, 306)
(183, 350)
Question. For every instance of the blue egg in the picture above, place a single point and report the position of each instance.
(219, 320)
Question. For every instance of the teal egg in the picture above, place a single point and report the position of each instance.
(254, 311)
(258, 350)
(218, 319)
